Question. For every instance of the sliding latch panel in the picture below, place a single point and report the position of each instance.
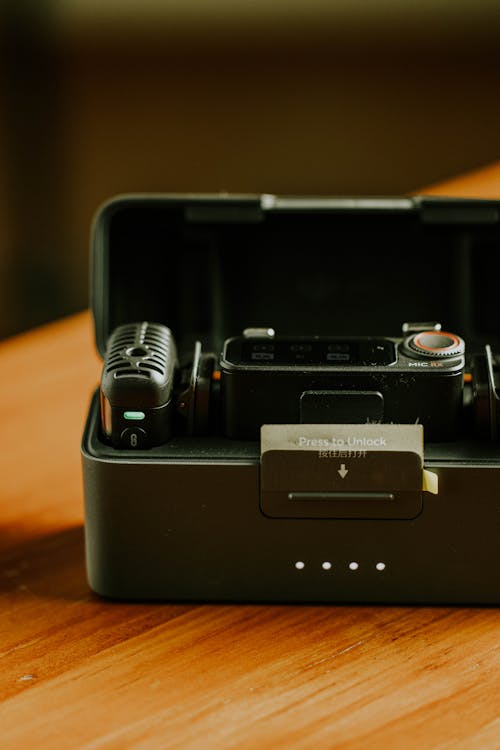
(372, 471)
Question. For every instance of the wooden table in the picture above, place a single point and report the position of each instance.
(80, 672)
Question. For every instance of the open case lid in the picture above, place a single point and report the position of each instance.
(209, 266)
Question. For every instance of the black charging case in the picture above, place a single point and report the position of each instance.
(187, 520)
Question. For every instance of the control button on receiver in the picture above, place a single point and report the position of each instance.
(133, 437)
(436, 344)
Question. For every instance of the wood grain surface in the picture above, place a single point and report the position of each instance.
(77, 671)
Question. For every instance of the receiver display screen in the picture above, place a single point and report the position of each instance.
(314, 352)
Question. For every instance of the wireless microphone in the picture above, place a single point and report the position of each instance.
(137, 385)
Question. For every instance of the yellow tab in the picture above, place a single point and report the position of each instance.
(430, 481)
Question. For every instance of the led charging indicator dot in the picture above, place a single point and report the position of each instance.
(380, 566)
(300, 565)
(353, 566)
(326, 565)
(134, 416)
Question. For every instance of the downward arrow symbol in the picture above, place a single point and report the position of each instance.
(343, 471)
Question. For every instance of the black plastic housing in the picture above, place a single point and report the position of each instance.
(137, 385)
(413, 389)
(184, 520)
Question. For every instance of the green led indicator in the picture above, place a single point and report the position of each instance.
(135, 416)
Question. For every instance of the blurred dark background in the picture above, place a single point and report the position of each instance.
(100, 97)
